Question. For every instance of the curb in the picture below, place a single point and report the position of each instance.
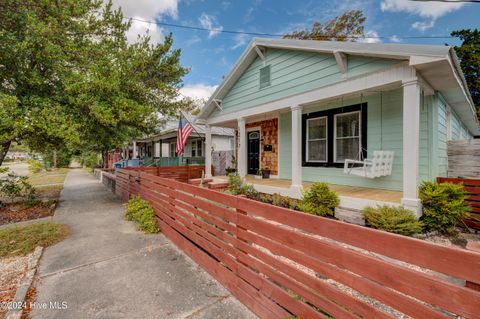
(24, 286)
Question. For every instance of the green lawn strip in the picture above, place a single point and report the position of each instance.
(21, 240)
(50, 177)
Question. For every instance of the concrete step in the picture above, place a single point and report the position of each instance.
(197, 181)
(349, 215)
(218, 185)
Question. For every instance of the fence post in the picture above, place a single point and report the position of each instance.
(238, 250)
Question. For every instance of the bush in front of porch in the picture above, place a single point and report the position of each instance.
(319, 200)
(443, 205)
(396, 220)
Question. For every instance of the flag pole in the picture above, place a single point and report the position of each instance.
(193, 126)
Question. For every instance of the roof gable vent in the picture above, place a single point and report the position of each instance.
(265, 76)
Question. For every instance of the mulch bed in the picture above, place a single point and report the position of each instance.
(14, 213)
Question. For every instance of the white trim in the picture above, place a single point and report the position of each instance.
(411, 144)
(296, 147)
(342, 62)
(391, 75)
(207, 151)
(335, 133)
(242, 149)
(261, 52)
(318, 139)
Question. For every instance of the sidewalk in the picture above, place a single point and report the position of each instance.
(107, 269)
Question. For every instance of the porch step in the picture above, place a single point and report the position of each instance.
(197, 181)
(218, 185)
(349, 215)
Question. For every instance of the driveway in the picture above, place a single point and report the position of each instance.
(19, 168)
(107, 269)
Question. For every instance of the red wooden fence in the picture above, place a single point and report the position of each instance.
(472, 187)
(276, 261)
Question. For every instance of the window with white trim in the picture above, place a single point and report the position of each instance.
(333, 135)
(347, 136)
(173, 148)
(317, 136)
(197, 148)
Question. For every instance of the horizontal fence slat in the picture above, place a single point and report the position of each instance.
(233, 247)
(251, 297)
(369, 288)
(411, 250)
(419, 285)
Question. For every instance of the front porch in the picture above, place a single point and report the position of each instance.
(351, 197)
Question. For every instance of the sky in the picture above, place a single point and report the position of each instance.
(210, 55)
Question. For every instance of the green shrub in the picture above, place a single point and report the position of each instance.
(237, 187)
(34, 166)
(13, 186)
(234, 184)
(284, 201)
(396, 220)
(443, 206)
(140, 211)
(319, 200)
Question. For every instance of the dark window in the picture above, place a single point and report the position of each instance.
(329, 137)
(265, 76)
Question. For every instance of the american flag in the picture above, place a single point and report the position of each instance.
(184, 130)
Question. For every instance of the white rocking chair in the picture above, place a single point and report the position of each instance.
(380, 165)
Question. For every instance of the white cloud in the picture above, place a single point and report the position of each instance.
(395, 39)
(424, 25)
(240, 40)
(198, 91)
(148, 10)
(142, 28)
(425, 9)
(371, 36)
(193, 40)
(209, 22)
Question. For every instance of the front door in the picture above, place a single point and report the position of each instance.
(253, 152)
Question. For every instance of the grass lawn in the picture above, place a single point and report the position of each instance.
(50, 177)
(21, 240)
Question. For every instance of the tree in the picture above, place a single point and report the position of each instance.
(469, 54)
(70, 79)
(347, 27)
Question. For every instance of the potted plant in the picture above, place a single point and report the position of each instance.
(259, 174)
(232, 169)
(265, 172)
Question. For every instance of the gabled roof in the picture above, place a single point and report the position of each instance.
(418, 55)
(169, 129)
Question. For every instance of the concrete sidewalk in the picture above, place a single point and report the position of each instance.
(107, 269)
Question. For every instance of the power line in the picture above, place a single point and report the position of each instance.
(189, 27)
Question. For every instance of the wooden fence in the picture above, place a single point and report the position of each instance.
(126, 177)
(464, 158)
(283, 264)
(472, 187)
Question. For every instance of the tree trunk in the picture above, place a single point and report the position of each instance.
(54, 159)
(5, 146)
(104, 159)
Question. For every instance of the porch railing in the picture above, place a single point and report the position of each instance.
(174, 161)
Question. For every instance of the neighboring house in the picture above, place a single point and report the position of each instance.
(301, 108)
(160, 147)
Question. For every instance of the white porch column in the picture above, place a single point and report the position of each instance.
(208, 151)
(135, 154)
(296, 147)
(411, 143)
(242, 148)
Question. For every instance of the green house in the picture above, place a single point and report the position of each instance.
(373, 120)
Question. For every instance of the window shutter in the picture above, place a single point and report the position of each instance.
(265, 76)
